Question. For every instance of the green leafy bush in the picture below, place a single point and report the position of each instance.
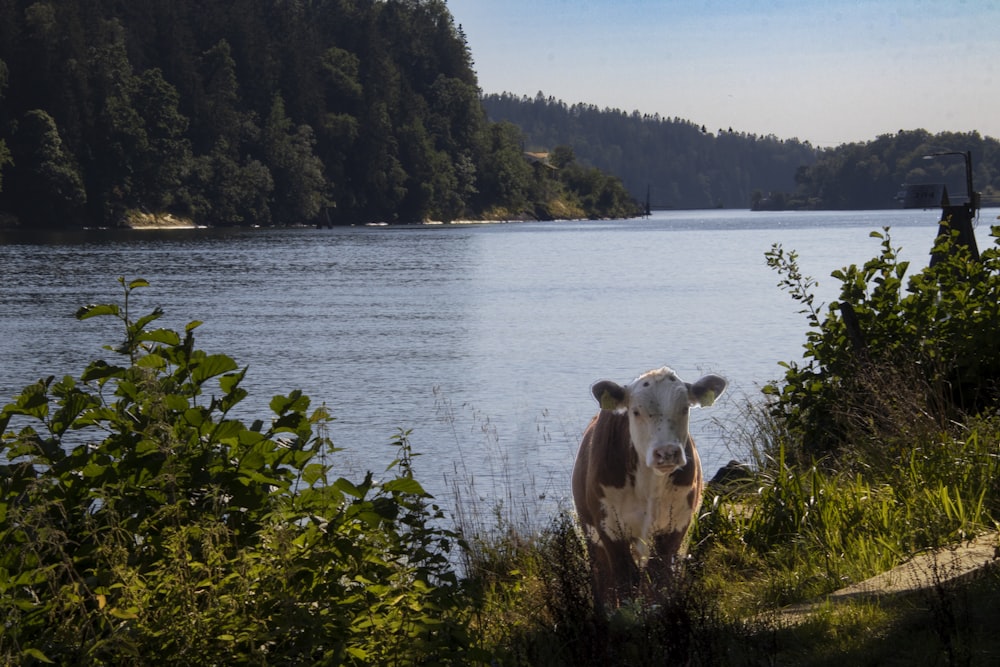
(140, 520)
(879, 444)
(887, 339)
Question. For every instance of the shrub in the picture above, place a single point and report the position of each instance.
(139, 518)
(885, 339)
(879, 444)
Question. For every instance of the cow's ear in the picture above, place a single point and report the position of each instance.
(610, 395)
(704, 392)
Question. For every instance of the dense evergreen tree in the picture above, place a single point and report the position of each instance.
(298, 173)
(163, 168)
(117, 144)
(504, 175)
(47, 181)
(4, 151)
(251, 112)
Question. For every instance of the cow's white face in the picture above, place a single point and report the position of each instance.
(658, 405)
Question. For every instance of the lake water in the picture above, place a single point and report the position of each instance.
(482, 339)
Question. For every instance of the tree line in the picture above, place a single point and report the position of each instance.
(680, 164)
(871, 174)
(346, 111)
(255, 113)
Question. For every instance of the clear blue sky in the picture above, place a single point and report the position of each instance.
(828, 72)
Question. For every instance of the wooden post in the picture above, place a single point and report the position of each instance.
(958, 218)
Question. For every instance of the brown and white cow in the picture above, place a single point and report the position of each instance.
(637, 481)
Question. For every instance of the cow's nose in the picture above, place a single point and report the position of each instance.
(669, 455)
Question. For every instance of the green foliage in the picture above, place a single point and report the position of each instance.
(681, 164)
(685, 166)
(868, 175)
(600, 195)
(298, 174)
(881, 443)
(46, 174)
(201, 109)
(887, 337)
(4, 151)
(139, 517)
(795, 531)
(505, 177)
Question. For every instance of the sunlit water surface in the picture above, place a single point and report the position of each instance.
(482, 339)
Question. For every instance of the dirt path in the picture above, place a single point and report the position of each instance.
(925, 570)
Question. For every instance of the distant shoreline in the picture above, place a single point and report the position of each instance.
(158, 221)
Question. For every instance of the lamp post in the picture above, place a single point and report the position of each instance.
(959, 217)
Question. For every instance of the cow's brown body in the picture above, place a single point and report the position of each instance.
(636, 500)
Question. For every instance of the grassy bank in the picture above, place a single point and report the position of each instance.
(783, 535)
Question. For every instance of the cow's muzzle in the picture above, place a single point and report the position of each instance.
(667, 459)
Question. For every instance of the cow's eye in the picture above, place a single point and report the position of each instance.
(635, 412)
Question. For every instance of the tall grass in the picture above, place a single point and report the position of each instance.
(799, 528)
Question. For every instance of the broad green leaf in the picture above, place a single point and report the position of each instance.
(290, 422)
(92, 469)
(96, 310)
(313, 473)
(146, 446)
(295, 401)
(97, 415)
(247, 437)
(194, 416)
(348, 487)
(253, 460)
(175, 402)
(128, 614)
(99, 370)
(228, 430)
(385, 508)
(231, 398)
(152, 360)
(212, 365)
(229, 382)
(138, 282)
(32, 401)
(165, 336)
(141, 323)
(73, 405)
(406, 485)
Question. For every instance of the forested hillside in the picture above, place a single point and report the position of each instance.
(259, 112)
(244, 112)
(870, 174)
(683, 165)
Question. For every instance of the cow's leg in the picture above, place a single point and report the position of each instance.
(599, 569)
(660, 568)
(615, 573)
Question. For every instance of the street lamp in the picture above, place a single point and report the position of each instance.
(959, 217)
